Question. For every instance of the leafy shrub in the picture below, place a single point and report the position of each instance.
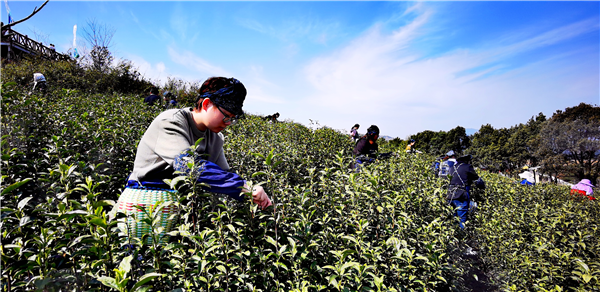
(122, 78)
(539, 238)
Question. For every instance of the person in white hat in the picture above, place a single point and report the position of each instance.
(39, 82)
(527, 176)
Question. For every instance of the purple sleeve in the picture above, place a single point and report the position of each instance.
(219, 181)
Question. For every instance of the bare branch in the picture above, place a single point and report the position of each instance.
(35, 10)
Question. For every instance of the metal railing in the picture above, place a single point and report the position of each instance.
(16, 41)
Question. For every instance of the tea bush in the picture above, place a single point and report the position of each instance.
(66, 156)
(539, 238)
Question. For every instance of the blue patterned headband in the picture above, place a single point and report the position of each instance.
(230, 98)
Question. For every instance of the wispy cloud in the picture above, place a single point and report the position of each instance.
(260, 87)
(511, 45)
(184, 24)
(142, 26)
(155, 72)
(381, 76)
(192, 61)
(293, 30)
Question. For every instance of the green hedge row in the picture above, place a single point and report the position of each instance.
(539, 238)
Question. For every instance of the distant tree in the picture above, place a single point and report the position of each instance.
(456, 140)
(583, 111)
(523, 142)
(490, 148)
(423, 140)
(437, 143)
(397, 143)
(569, 143)
(99, 37)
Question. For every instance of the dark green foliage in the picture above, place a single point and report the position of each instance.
(122, 78)
(583, 111)
(571, 147)
(439, 143)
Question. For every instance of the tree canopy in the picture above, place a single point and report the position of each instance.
(567, 145)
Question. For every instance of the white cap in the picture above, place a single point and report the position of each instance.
(38, 77)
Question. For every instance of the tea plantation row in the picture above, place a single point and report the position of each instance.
(66, 155)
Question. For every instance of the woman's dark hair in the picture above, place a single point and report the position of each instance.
(212, 84)
(372, 131)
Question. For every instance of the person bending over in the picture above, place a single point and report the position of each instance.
(164, 147)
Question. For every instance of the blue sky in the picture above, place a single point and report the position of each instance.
(404, 66)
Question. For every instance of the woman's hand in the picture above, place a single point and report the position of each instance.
(260, 197)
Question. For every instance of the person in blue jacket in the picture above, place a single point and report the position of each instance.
(163, 151)
(153, 97)
(462, 177)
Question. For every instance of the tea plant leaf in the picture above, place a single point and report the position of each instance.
(346, 266)
(77, 212)
(41, 284)
(280, 264)
(103, 203)
(586, 278)
(222, 269)
(110, 282)
(15, 186)
(99, 222)
(271, 241)
(78, 239)
(145, 279)
(24, 221)
(258, 173)
(23, 203)
(258, 155)
(125, 265)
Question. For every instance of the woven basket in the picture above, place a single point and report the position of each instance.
(146, 197)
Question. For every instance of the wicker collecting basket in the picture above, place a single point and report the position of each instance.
(133, 225)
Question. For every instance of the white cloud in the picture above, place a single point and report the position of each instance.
(293, 30)
(155, 72)
(259, 87)
(380, 79)
(192, 61)
(184, 24)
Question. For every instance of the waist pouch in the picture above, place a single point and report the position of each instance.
(456, 192)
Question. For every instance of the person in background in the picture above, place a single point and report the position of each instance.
(39, 82)
(354, 136)
(463, 176)
(170, 100)
(153, 97)
(410, 148)
(164, 147)
(584, 188)
(447, 163)
(272, 118)
(527, 176)
(366, 149)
